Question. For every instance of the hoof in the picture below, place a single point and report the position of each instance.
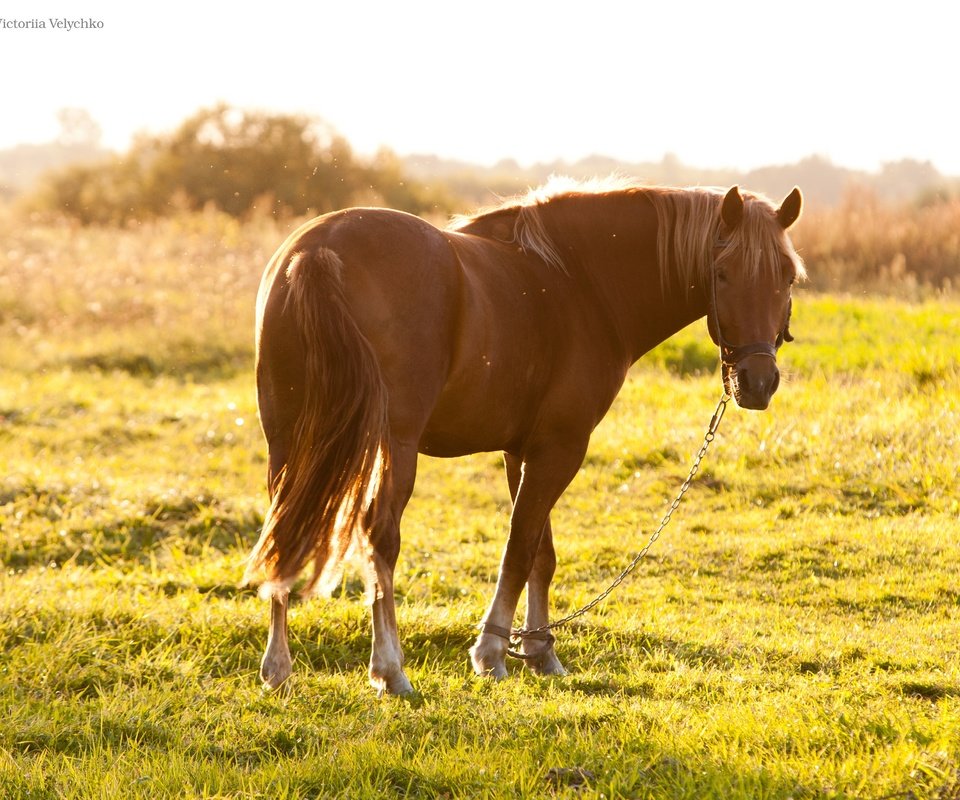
(489, 657)
(273, 673)
(547, 663)
(497, 672)
(397, 684)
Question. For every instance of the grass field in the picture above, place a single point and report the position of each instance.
(794, 633)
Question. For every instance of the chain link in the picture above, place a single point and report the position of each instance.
(708, 437)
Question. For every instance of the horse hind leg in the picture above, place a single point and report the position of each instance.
(386, 657)
(276, 665)
(386, 660)
(280, 393)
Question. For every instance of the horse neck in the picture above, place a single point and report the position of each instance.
(612, 242)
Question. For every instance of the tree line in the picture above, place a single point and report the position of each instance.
(243, 162)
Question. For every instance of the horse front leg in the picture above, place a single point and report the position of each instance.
(543, 477)
(540, 647)
(543, 658)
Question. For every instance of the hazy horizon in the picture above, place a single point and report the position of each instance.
(716, 87)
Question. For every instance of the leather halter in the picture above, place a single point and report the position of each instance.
(731, 355)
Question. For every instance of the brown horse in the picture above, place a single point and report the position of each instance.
(380, 337)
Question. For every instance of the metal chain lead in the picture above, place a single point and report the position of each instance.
(708, 437)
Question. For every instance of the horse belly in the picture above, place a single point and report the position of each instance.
(493, 409)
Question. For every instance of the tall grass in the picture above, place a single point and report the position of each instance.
(867, 244)
(164, 296)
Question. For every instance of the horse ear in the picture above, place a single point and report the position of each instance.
(789, 210)
(731, 212)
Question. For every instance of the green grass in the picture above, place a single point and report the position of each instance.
(794, 633)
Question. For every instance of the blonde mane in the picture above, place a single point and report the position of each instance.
(688, 239)
(693, 245)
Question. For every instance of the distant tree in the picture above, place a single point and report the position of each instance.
(78, 127)
(822, 182)
(393, 187)
(906, 178)
(239, 161)
(105, 192)
(77, 143)
(948, 191)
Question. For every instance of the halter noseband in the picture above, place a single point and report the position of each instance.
(731, 355)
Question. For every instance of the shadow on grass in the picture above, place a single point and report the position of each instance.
(446, 649)
(647, 651)
(187, 524)
(933, 691)
(92, 735)
(185, 359)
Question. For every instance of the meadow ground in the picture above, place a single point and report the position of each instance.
(794, 633)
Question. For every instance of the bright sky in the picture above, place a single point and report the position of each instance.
(735, 84)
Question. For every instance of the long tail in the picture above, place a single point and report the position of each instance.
(339, 452)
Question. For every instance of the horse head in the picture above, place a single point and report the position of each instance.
(749, 296)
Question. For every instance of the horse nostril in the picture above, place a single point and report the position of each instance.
(759, 382)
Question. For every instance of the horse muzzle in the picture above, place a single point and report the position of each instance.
(750, 374)
(752, 381)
